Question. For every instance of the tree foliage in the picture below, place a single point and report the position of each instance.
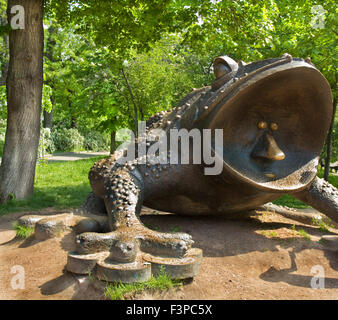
(104, 60)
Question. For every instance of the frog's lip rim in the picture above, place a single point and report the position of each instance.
(267, 186)
(228, 93)
(242, 85)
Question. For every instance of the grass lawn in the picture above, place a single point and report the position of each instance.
(57, 184)
(121, 291)
(65, 185)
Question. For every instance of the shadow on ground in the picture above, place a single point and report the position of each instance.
(285, 275)
(220, 237)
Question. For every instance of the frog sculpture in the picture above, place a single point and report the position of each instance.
(272, 118)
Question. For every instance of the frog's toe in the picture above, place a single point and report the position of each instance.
(124, 250)
(102, 249)
(92, 242)
(187, 238)
(166, 244)
(121, 248)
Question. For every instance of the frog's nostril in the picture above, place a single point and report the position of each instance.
(267, 148)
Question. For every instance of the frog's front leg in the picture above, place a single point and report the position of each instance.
(129, 240)
(322, 196)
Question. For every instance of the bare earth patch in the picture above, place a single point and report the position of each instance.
(262, 257)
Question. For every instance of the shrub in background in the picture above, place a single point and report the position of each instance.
(67, 139)
(2, 129)
(63, 139)
(46, 143)
(96, 141)
(2, 135)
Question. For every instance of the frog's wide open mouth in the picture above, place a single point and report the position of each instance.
(274, 122)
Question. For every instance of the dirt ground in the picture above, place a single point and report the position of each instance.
(261, 257)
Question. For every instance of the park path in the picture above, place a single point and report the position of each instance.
(72, 156)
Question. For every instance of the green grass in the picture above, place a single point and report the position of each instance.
(324, 227)
(291, 202)
(57, 184)
(293, 228)
(121, 291)
(304, 234)
(273, 234)
(22, 231)
(300, 232)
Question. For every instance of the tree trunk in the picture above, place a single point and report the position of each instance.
(134, 103)
(24, 94)
(48, 116)
(73, 123)
(329, 143)
(48, 119)
(4, 66)
(112, 142)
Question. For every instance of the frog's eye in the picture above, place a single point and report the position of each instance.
(273, 126)
(224, 65)
(220, 69)
(262, 125)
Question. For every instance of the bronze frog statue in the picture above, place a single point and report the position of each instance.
(274, 116)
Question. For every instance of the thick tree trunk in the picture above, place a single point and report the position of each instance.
(329, 143)
(24, 93)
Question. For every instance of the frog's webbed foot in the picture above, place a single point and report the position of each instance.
(131, 252)
(124, 244)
